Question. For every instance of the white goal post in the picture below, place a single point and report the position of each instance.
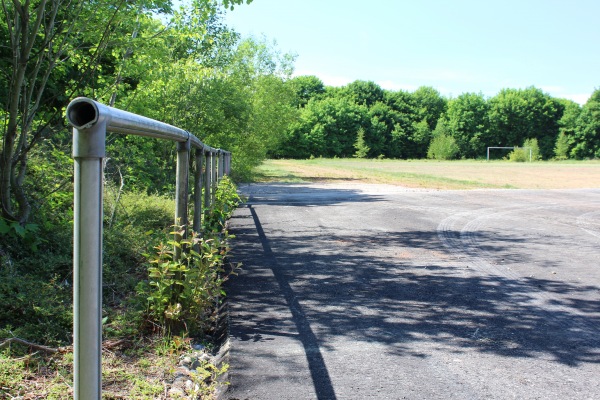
(513, 148)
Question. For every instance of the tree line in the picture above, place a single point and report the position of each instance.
(363, 119)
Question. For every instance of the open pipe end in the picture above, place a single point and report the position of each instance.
(82, 113)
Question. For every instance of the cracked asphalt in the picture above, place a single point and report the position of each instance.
(358, 291)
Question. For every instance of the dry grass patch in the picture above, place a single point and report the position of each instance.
(439, 174)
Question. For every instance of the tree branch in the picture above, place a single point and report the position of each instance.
(35, 346)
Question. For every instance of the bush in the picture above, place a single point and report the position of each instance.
(226, 201)
(36, 282)
(442, 147)
(535, 149)
(182, 294)
(529, 152)
(561, 148)
(519, 154)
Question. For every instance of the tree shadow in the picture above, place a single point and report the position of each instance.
(303, 195)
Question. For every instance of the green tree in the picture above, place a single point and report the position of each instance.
(586, 138)
(51, 50)
(328, 128)
(419, 142)
(36, 40)
(519, 114)
(430, 105)
(441, 128)
(567, 128)
(364, 92)
(404, 115)
(378, 132)
(245, 107)
(306, 88)
(468, 123)
(562, 147)
(362, 150)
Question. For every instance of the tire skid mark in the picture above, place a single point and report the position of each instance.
(458, 233)
(586, 223)
(452, 238)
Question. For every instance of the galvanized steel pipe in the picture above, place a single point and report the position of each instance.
(84, 113)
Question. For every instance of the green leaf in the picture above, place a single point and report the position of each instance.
(32, 227)
(4, 227)
(18, 229)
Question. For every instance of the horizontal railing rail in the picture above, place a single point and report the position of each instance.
(91, 121)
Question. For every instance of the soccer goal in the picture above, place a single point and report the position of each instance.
(511, 148)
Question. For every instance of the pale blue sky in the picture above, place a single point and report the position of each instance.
(456, 46)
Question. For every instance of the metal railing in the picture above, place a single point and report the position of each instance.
(91, 120)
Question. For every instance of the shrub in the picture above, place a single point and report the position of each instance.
(535, 149)
(442, 147)
(519, 154)
(182, 293)
(529, 152)
(561, 148)
(226, 201)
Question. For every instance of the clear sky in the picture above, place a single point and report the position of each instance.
(455, 46)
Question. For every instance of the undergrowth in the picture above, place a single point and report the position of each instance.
(154, 306)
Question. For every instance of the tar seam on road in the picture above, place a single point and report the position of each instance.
(316, 363)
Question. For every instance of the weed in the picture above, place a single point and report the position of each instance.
(181, 293)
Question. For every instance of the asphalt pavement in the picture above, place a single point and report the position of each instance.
(356, 291)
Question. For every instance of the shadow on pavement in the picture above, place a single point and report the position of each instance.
(305, 196)
(364, 293)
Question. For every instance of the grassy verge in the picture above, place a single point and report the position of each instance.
(466, 174)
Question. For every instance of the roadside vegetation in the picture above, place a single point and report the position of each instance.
(155, 309)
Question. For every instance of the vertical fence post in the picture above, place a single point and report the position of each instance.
(88, 152)
(181, 193)
(197, 223)
(213, 178)
(228, 168)
(207, 178)
(221, 163)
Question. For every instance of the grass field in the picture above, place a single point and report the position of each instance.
(468, 174)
